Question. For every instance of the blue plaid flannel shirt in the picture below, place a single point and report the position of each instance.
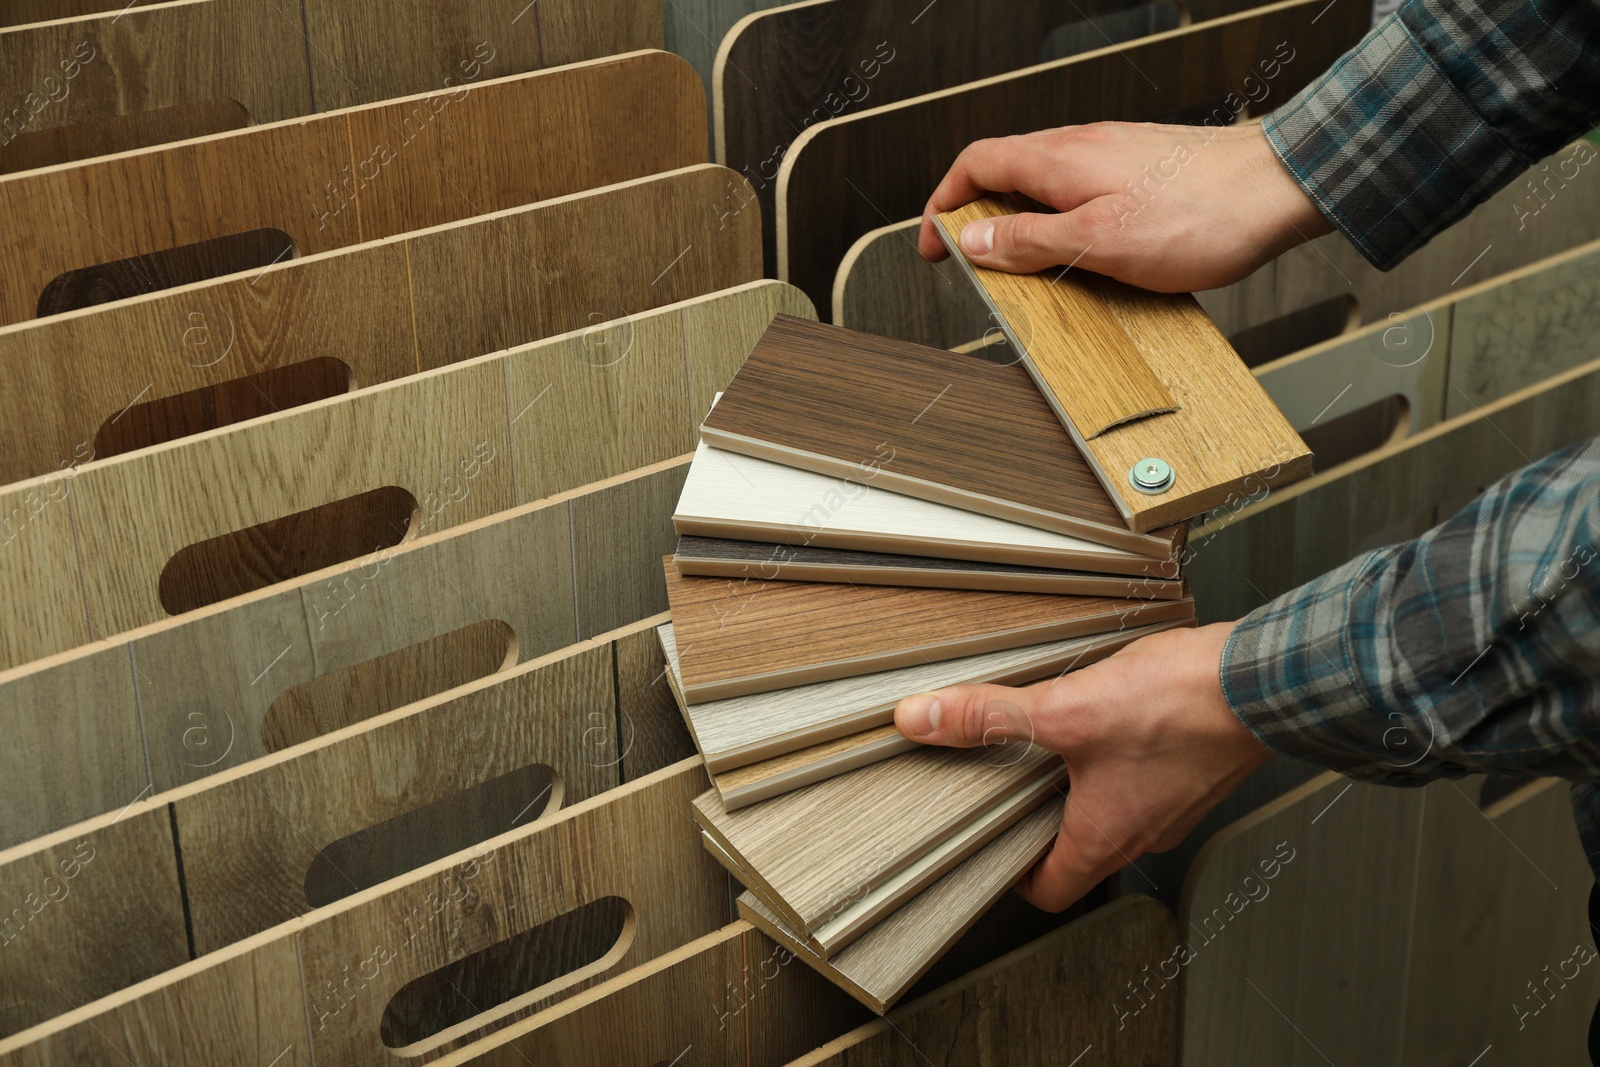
(1475, 648)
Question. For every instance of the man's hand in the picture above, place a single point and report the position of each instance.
(1170, 208)
(1149, 742)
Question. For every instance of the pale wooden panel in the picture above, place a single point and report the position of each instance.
(437, 297)
(75, 929)
(717, 343)
(896, 153)
(280, 175)
(614, 529)
(241, 1007)
(48, 744)
(1297, 920)
(1045, 1002)
(36, 543)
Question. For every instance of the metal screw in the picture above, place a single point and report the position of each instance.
(1151, 475)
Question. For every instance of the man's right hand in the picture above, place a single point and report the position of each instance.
(1170, 208)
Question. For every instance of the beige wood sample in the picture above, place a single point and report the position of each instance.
(742, 731)
(739, 638)
(624, 843)
(768, 778)
(1222, 439)
(878, 968)
(426, 300)
(741, 497)
(117, 69)
(426, 434)
(1042, 1002)
(894, 155)
(419, 162)
(814, 851)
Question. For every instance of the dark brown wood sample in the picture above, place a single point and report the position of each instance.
(721, 557)
(894, 155)
(919, 421)
(739, 637)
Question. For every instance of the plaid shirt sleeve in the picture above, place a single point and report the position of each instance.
(1439, 107)
(1473, 649)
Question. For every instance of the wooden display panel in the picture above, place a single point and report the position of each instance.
(72, 383)
(897, 153)
(421, 161)
(121, 74)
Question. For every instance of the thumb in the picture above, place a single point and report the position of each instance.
(966, 716)
(1030, 242)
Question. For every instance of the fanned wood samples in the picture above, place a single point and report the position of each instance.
(70, 385)
(1221, 440)
(887, 959)
(740, 497)
(733, 640)
(811, 854)
(420, 161)
(929, 424)
(720, 557)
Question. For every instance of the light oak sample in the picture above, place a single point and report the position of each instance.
(1047, 1000)
(921, 422)
(426, 434)
(420, 161)
(252, 839)
(743, 498)
(289, 981)
(744, 730)
(71, 384)
(1222, 438)
(740, 638)
(885, 961)
(810, 854)
(768, 778)
(119, 73)
(721, 557)
(896, 153)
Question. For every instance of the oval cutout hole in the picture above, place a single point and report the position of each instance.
(280, 549)
(1111, 28)
(515, 973)
(171, 417)
(170, 267)
(383, 683)
(1358, 432)
(1289, 333)
(120, 133)
(433, 831)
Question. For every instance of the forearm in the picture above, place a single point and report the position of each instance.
(1475, 648)
(1440, 106)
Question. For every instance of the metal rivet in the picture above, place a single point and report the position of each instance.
(1151, 476)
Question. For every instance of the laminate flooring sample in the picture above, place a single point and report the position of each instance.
(768, 778)
(885, 961)
(930, 424)
(812, 853)
(742, 731)
(740, 497)
(722, 557)
(745, 637)
(1145, 383)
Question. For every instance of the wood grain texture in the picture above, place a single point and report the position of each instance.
(1045, 1000)
(819, 215)
(650, 732)
(1223, 437)
(929, 424)
(768, 778)
(614, 529)
(791, 67)
(419, 161)
(878, 968)
(277, 63)
(430, 299)
(721, 557)
(734, 640)
(810, 854)
(740, 497)
(740, 731)
(623, 843)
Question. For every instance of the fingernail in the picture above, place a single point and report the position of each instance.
(977, 239)
(921, 714)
